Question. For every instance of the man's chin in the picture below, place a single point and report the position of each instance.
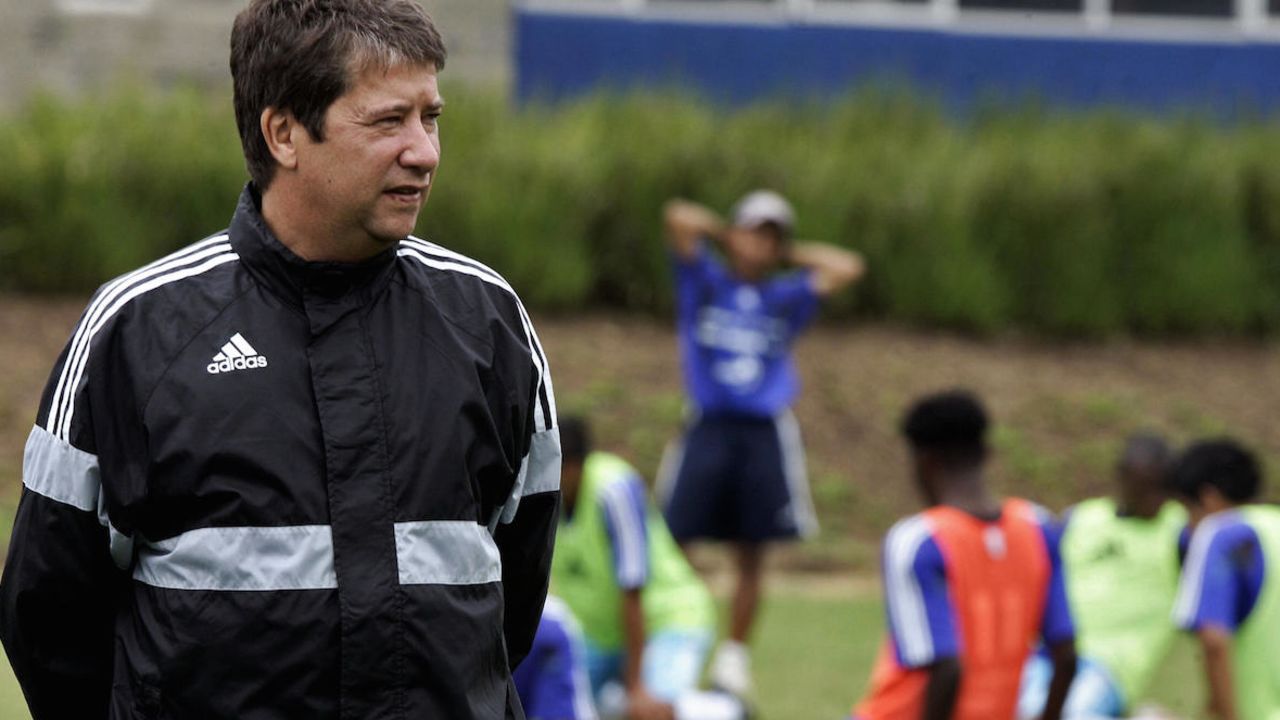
(385, 240)
(391, 233)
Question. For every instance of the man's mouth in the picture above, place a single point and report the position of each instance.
(408, 192)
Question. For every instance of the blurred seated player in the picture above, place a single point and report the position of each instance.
(647, 619)
(738, 474)
(971, 583)
(1229, 595)
(552, 680)
(1120, 561)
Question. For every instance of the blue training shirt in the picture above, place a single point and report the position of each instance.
(736, 336)
(1223, 574)
(552, 681)
(918, 599)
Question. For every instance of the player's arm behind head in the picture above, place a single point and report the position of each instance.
(686, 223)
(833, 268)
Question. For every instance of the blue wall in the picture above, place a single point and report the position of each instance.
(559, 56)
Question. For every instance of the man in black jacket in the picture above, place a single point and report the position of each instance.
(308, 466)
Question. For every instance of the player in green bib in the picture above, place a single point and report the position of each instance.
(1120, 557)
(647, 619)
(1229, 596)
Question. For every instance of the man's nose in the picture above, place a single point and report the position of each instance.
(422, 151)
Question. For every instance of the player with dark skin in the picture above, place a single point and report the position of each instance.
(956, 478)
(1140, 476)
(1119, 557)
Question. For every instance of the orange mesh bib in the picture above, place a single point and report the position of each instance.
(998, 581)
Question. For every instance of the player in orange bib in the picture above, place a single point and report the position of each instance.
(971, 584)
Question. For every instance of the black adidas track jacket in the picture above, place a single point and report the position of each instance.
(260, 487)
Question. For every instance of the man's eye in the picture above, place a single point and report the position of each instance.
(389, 120)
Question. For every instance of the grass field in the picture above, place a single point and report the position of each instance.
(814, 653)
(11, 704)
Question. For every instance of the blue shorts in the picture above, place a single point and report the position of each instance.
(737, 478)
(1094, 693)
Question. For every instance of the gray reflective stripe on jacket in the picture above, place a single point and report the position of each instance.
(444, 552)
(58, 471)
(300, 557)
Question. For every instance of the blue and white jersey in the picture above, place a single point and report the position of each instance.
(736, 336)
(924, 625)
(624, 510)
(1223, 574)
(552, 681)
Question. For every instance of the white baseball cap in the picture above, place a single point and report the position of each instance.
(764, 206)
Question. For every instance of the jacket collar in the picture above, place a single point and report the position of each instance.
(290, 276)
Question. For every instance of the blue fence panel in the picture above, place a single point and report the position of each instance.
(562, 55)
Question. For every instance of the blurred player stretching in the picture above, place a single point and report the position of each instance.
(738, 474)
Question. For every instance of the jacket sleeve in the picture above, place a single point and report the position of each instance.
(525, 530)
(60, 588)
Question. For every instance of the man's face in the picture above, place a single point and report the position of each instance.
(1139, 487)
(373, 172)
(753, 252)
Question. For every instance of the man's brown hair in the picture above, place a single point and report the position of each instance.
(301, 55)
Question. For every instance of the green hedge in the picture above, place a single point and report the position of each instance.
(1069, 224)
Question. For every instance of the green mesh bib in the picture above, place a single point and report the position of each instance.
(1122, 577)
(1257, 643)
(582, 571)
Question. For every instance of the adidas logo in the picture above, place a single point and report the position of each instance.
(237, 354)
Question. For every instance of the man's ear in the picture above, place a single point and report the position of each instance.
(281, 128)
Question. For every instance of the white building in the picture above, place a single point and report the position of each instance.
(78, 46)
